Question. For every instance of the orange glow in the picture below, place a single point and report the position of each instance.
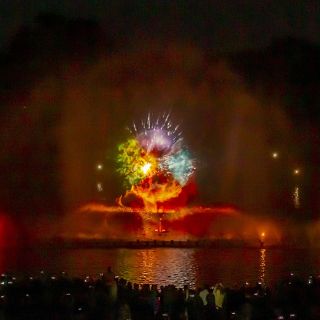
(154, 192)
(99, 207)
(98, 220)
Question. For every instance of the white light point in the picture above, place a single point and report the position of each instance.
(146, 167)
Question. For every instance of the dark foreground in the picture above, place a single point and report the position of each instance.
(110, 297)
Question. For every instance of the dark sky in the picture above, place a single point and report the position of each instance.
(224, 25)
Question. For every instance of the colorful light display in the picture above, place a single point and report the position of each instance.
(155, 164)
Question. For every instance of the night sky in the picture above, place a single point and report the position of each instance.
(240, 77)
(224, 25)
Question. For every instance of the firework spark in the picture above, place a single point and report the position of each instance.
(180, 165)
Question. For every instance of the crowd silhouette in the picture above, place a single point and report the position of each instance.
(108, 297)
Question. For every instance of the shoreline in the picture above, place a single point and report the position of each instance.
(76, 243)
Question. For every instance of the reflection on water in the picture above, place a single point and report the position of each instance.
(160, 266)
(231, 266)
(262, 265)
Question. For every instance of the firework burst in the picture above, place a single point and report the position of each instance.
(154, 162)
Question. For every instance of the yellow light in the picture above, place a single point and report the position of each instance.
(99, 166)
(262, 234)
(275, 155)
(146, 167)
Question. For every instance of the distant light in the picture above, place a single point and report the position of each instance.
(262, 234)
(296, 172)
(99, 166)
(99, 187)
(275, 155)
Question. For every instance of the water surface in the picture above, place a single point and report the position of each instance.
(179, 266)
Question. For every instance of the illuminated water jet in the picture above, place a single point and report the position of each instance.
(227, 223)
